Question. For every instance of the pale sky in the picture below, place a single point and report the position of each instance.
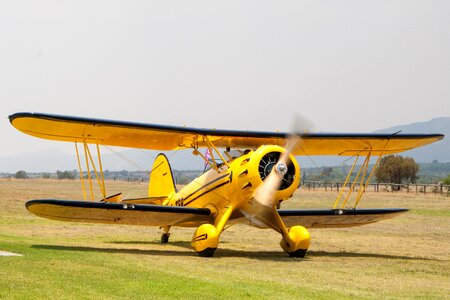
(350, 66)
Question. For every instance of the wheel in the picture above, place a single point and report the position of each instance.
(208, 252)
(165, 238)
(299, 253)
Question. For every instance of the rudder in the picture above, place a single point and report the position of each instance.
(161, 183)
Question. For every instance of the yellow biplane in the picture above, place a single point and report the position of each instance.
(250, 174)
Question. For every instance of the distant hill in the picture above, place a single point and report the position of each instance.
(48, 160)
(439, 151)
(51, 160)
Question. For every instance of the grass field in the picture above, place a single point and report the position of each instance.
(406, 257)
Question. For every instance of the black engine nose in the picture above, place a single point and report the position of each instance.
(266, 165)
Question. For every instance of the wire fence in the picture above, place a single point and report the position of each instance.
(441, 189)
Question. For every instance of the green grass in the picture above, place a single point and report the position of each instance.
(432, 212)
(406, 257)
(86, 272)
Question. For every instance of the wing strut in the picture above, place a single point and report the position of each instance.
(212, 162)
(211, 146)
(368, 179)
(81, 172)
(101, 171)
(90, 161)
(361, 179)
(345, 183)
(88, 170)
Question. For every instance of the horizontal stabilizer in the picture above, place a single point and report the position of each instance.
(119, 213)
(337, 217)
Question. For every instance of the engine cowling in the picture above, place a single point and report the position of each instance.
(254, 168)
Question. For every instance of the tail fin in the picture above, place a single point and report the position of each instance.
(161, 183)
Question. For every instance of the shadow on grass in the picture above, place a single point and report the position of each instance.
(134, 242)
(116, 250)
(176, 243)
(364, 255)
(259, 255)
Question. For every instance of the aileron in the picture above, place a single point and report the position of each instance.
(335, 218)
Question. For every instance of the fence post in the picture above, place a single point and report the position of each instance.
(438, 188)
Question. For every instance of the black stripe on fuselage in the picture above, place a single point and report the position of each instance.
(207, 192)
(204, 186)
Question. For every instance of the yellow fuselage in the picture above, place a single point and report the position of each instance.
(231, 187)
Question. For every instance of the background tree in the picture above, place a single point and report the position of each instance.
(65, 174)
(446, 180)
(397, 169)
(21, 175)
(46, 175)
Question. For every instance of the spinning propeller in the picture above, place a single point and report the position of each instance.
(265, 194)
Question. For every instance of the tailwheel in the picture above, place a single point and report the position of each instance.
(165, 238)
(297, 243)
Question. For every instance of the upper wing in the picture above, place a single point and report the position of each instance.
(337, 217)
(159, 137)
(119, 213)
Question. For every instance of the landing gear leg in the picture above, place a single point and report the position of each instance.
(165, 236)
(206, 237)
(295, 240)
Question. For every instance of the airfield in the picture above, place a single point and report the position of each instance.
(406, 257)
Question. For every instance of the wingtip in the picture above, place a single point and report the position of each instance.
(19, 115)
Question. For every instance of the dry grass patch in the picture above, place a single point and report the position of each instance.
(406, 257)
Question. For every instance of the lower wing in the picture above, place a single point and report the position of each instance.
(337, 217)
(160, 215)
(119, 213)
